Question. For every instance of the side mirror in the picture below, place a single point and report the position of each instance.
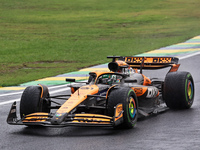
(70, 80)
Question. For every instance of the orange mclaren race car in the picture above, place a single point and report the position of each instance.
(116, 98)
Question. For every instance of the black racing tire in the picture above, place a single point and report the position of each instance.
(178, 90)
(127, 97)
(31, 101)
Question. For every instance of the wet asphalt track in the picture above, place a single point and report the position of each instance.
(175, 130)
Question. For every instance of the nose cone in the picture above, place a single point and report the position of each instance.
(58, 118)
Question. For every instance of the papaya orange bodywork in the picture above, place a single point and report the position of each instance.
(147, 81)
(174, 67)
(118, 112)
(79, 96)
(36, 117)
(139, 91)
(92, 118)
(121, 63)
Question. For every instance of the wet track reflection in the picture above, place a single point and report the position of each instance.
(178, 129)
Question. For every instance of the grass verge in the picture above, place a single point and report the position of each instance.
(46, 38)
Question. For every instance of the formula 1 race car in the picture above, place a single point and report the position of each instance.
(113, 99)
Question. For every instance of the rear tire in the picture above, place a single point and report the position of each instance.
(179, 90)
(31, 101)
(127, 97)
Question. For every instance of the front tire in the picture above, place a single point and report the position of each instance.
(127, 97)
(31, 101)
(179, 90)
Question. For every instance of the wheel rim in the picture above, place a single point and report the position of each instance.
(132, 107)
(190, 90)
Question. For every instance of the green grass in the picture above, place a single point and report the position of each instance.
(45, 38)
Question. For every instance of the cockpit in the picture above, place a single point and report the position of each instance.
(109, 79)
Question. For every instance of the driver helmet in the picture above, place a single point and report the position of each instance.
(107, 79)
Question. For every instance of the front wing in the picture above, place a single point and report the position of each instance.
(83, 119)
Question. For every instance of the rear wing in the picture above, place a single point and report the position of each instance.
(149, 62)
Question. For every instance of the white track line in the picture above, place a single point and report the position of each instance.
(10, 101)
(60, 90)
(53, 87)
(8, 94)
(18, 99)
(190, 55)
